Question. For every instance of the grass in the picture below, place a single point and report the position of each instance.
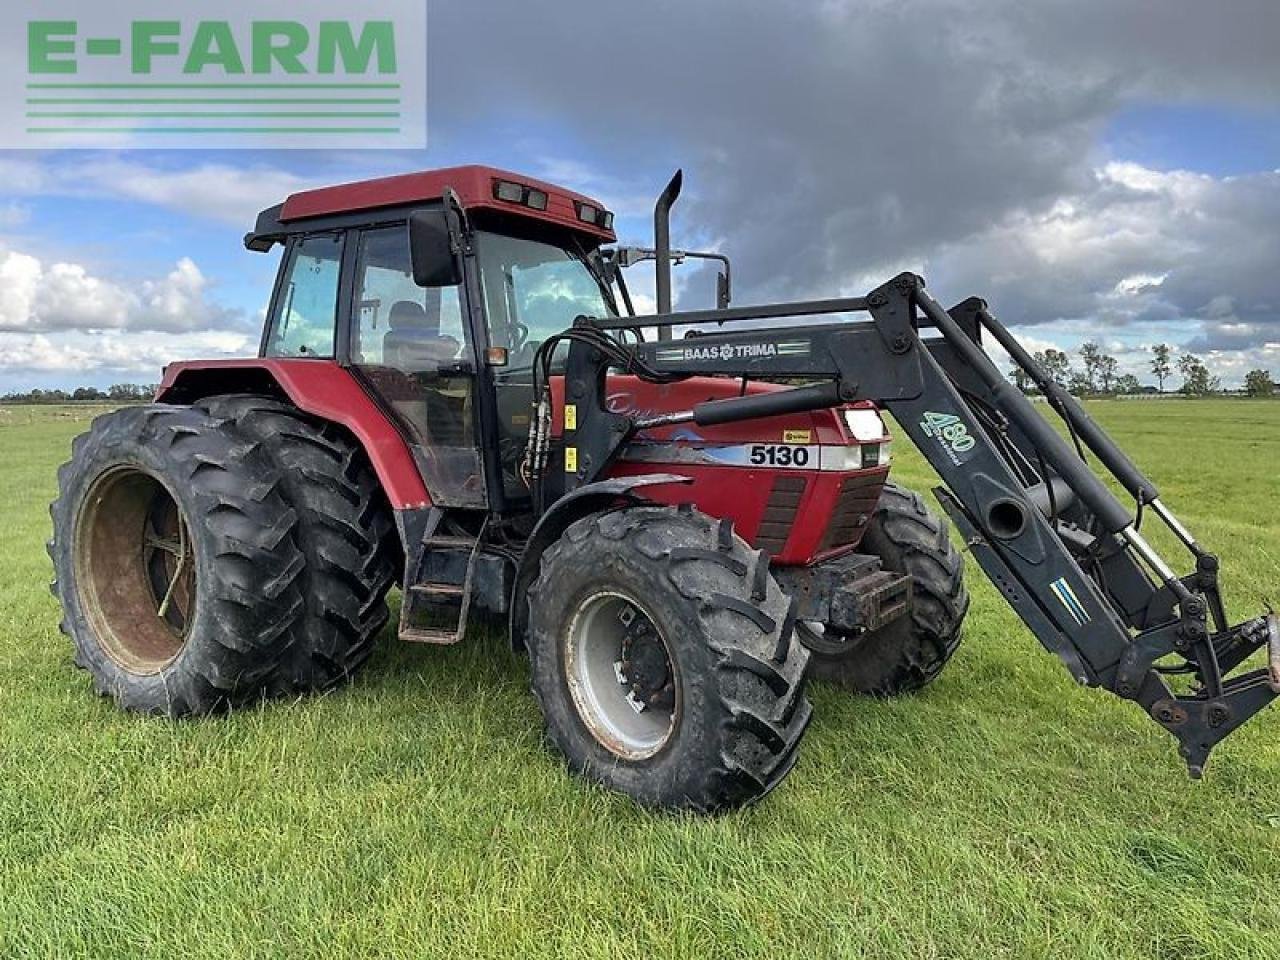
(1004, 812)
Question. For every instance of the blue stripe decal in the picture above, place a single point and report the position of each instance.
(1067, 597)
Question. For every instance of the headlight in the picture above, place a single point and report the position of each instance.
(875, 455)
(865, 425)
(856, 456)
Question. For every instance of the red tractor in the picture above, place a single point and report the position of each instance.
(454, 395)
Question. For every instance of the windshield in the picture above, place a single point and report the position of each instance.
(532, 291)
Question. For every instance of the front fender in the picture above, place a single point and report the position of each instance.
(592, 498)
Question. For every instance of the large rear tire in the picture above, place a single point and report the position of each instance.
(663, 657)
(345, 531)
(910, 652)
(174, 561)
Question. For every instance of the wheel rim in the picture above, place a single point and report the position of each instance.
(815, 635)
(135, 569)
(621, 676)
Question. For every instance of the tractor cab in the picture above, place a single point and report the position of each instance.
(436, 296)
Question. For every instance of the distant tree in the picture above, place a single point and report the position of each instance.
(1107, 372)
(1091, 354)
(1022, 380)
(121, 393)
(1056, 364)
(1079, 384)
(1160, 364)
(1128, 385)
(127, 393)
(1258, 383)
(1197, 381)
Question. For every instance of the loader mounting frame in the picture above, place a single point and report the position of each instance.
(1065, 553)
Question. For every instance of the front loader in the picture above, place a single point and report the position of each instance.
(680, 517)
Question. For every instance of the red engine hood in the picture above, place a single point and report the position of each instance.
(635, 397)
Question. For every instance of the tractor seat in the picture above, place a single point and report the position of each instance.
(413, 342)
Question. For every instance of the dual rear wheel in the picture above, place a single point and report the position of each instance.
(207, 557)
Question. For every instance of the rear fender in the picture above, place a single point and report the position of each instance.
(321, 388)
(597, 497)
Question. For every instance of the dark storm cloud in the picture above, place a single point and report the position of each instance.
(824, 142)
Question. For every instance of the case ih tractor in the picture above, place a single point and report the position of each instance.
(679, 516)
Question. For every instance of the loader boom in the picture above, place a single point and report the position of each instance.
(1065, 553)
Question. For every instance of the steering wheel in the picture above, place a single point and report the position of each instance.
(518, 335)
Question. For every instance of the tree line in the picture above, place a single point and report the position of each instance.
(120, 393)
(1099, 374)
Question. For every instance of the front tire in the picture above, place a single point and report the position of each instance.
(669, 609)
(910, 652)
(174, 561)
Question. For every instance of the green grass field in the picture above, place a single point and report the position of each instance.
(1003, 812)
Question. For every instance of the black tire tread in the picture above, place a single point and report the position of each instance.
(253, 583)
(757, 681)
(915, 538)
(345, 531)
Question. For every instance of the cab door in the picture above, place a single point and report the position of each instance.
(413, 347)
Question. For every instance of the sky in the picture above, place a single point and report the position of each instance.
(1095, 169)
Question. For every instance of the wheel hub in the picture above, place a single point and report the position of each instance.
(621, 676)
(135, 569)
(645, 670)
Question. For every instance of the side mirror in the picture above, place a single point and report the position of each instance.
(431, 250)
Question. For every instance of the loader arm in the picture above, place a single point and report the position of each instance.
(1065, 553)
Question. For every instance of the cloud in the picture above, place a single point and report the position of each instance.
(13, 215)
(833, 142)
(1138, 250)
(117, 352)
(38, 298)
(827, 146)
(214, 191)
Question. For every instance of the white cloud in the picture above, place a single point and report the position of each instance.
(1136, 256)
(138, 355)
(39, 298)
(14, 215)
(229, 194)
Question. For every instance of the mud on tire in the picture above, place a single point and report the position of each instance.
(738, 705)
(345, 531)
(910, 652)
(145, 488)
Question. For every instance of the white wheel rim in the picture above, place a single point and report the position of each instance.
(610, 701)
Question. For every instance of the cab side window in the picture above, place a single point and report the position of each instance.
(410, 344)
(399, 324)
(305, 313)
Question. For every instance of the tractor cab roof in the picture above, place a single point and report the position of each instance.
(477, 187)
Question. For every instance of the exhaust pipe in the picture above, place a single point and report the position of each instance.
(662, 246)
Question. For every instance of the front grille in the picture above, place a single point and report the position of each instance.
(780, 513)
(855, 504)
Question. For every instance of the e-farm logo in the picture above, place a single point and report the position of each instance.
(250, 73)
